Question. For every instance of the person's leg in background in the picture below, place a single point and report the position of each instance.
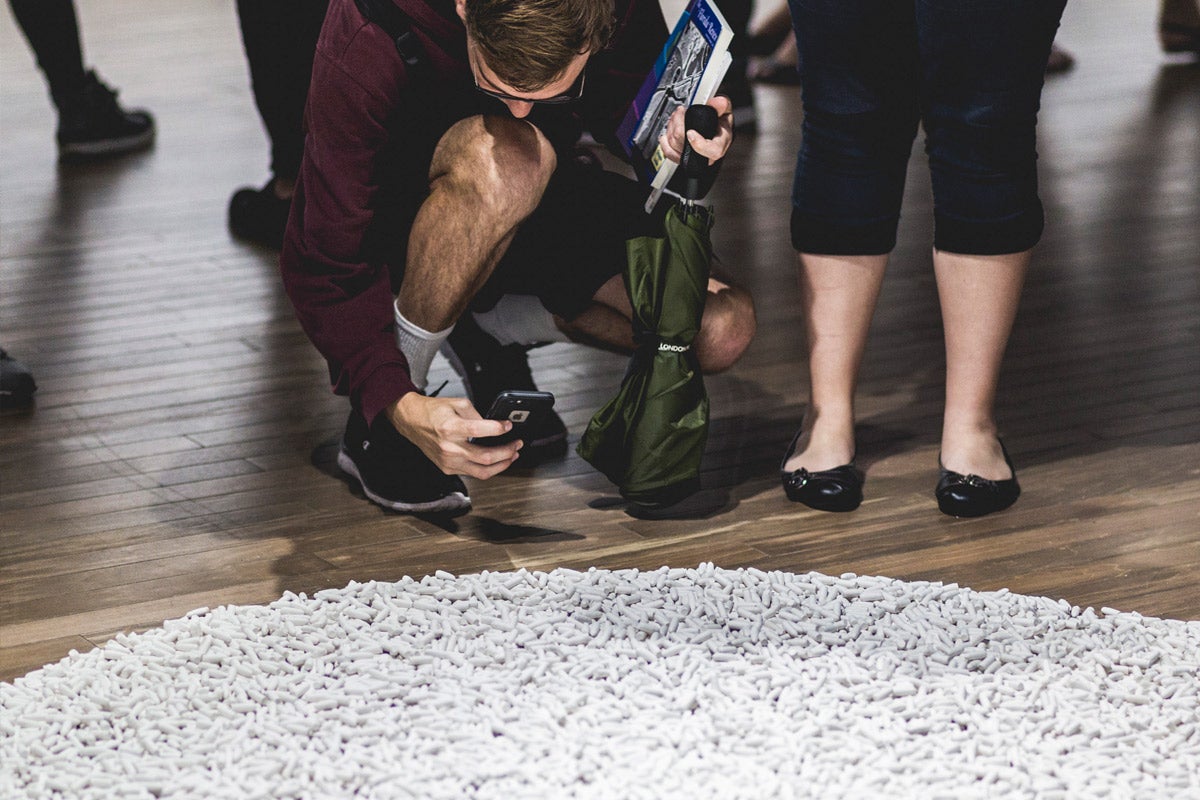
(280, 39)
(52, 30)
(859, 82)
(772, 46)
(91, 123)
(983, 69)
(736, 85)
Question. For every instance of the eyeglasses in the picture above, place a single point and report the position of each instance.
(572, 95)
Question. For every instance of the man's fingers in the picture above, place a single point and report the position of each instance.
(483, 473)
(487, 462)
(712, 149)
(722, 104)
(464, 408)
(479, 428)
(669, 151)
(486, 456)
(440, 427)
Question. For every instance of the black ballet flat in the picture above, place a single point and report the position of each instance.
(972, 496)
(837, 489)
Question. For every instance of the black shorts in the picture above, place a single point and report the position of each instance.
(574, 242)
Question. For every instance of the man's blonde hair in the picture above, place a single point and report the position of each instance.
(530, 43)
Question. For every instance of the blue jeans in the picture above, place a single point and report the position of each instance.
(969, 71)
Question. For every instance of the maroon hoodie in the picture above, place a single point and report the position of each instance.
(370, 132)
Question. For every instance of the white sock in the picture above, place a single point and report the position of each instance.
(520, 319)
(419, 347)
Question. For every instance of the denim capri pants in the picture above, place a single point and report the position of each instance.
(969, 71)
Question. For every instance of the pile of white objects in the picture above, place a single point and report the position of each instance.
(676, 683)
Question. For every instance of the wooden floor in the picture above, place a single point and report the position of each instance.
(181, 450)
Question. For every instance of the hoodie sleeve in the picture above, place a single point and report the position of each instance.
(343, 301)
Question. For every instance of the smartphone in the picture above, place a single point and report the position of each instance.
(519, 407)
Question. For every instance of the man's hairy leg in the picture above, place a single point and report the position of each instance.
(488, 175)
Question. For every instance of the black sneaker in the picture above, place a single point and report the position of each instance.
(488, 368)
(393, 471)
(92, 124)
(16, 383)
(258, 215)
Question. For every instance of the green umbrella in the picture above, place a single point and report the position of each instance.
(649, 439)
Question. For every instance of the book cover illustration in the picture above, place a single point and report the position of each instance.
(690, 68)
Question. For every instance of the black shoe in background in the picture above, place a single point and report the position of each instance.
(92, 124)
(259, 215)
(16, 383)
(393, 471)
(488, 368)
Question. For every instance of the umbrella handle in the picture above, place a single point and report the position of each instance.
(699, 174)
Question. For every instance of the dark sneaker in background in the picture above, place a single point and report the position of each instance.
(259, 215)
(393, 471)
(16, 383)
(92, 124)
(488, 368)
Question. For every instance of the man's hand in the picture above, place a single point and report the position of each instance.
(441, 426)
(713, 149)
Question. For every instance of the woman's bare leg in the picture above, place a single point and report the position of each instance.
(838, 296)
(979, 296)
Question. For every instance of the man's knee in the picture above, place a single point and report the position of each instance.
(727, 328)
(504, 164)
